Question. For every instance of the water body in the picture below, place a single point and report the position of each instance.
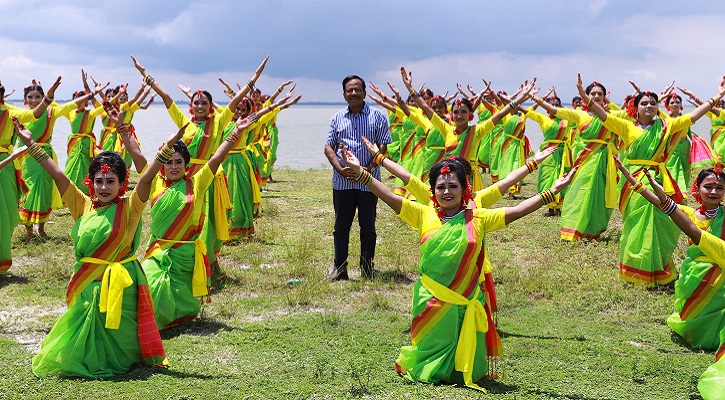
(302, 133)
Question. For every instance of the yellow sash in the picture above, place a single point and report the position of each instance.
(474, 320)
(91, 136)
(566, 158)
(198, 277)
(705, 259)
(256, 190)
(666, 181)
(221, 204)
(115, 279)
(610, 188)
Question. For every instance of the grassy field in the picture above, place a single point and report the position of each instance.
(570, 328)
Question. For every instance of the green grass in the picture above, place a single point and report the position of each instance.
(570, 328)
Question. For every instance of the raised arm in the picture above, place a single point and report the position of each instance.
(709, 104)
(84, 78)
(408, 82)
(89, 96)
(598, 110)
(381, 103)
(114, 113)
(137, 98)
(47, 100)
(143, 187)
(250, 85)
(384, 101)
(186, 90)
(378, 188)
(289, 104)
(399, 100)
(279, 91)
(37, 152)
(513, 105)
(149, 80)
(148, 103)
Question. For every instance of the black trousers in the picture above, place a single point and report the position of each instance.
(345, 203)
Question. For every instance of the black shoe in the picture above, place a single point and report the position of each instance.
(338, 273)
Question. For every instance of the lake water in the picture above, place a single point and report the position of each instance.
(302, 133)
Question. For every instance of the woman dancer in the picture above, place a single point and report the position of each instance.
(691, 153)
(202, 137)
(176, 263)
(708, 247)
(648, 237)
(244, 190)
(699, 293)
(81, 140)
(556, 131)
(42, 196)
(9, 178)
(592, 195)
(451, 240)
(109, 325)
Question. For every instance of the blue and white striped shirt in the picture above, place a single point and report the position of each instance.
(348, 128)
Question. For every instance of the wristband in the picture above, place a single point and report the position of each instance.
(532, 165)
(378, 158)
(164, 154)
(669, 207)
(547, 196)
(364, 177)
(37, 152)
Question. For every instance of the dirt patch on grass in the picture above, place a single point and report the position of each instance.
(24, 324)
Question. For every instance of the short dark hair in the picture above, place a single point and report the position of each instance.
(351, 77)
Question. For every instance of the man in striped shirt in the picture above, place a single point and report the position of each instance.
(347, 127)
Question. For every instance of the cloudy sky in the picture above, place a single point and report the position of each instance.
(316, 43)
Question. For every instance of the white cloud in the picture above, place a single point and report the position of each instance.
(194, 42)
